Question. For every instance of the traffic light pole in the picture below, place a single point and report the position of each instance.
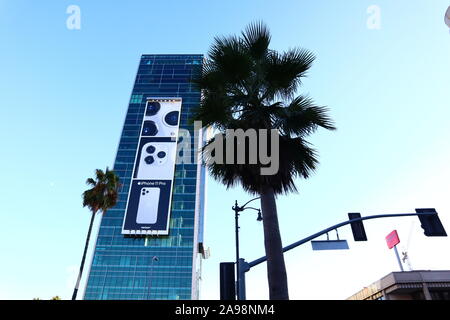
(246, 266)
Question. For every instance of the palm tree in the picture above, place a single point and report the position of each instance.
(249, 86)
(101, 197)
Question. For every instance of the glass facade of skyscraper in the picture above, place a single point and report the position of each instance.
(154, 267)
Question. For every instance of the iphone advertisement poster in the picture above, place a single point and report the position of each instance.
(150, 194)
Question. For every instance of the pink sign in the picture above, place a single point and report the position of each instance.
(392, 239)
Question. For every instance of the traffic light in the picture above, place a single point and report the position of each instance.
(227, 281)
(430, 223)
(359, 234)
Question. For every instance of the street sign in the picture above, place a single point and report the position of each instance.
(392, 239)
(329, 245)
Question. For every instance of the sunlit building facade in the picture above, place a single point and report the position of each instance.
(410, 285)
(127, 267)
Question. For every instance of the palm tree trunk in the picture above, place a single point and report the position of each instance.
(75, 291)
(276, 269)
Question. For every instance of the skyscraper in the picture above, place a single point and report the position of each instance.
(147, 264)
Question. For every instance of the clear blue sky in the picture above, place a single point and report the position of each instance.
(64, 94)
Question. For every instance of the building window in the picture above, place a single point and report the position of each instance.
(136, 98)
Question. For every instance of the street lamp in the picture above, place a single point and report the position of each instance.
(236, 208)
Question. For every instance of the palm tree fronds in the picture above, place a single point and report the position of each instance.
(257, 39)
(104, 192)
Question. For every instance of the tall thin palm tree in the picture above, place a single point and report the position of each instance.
(101, 197)
(249, 86)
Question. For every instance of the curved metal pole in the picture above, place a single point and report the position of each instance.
(249, 202)
(300, 242)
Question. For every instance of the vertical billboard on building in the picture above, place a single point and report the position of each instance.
(149, 198)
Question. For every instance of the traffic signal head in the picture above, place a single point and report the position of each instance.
(359, 234)
(430, 223)
(227, 282)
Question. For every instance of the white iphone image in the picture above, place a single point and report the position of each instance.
(157, 161)
(148, 206)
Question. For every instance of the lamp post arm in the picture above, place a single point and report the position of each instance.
(250, 208)
(250, 201)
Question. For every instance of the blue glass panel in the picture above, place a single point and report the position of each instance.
(124, 268)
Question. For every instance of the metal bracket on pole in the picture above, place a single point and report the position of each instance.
(243, 268)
